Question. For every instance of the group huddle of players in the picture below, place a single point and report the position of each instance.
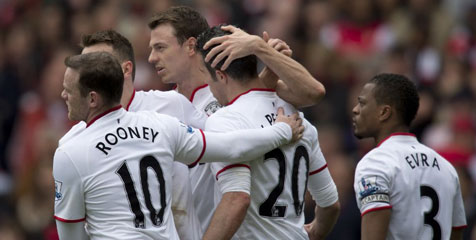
(121, 172)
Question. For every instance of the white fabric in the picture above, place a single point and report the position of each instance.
(257, 109)
(87, 180)
(202, 179)
(394, 174)
(174, 104)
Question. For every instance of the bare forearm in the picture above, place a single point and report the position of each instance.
(375, 224)
(456, 234)
(297, 85)
(228, 216)
(324, 221)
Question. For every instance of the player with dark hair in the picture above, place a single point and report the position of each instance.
(116, 174)
(404, 189)
(173, 38)
(165, 102)
(262, 198)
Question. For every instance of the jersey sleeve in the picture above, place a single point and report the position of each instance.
(191, 115)
(69, 193)
(189, 143)
(243, 145)
(459, 217)
(320, 184)
(372, 182)
(230, 177)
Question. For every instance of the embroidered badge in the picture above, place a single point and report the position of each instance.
(58, 194)
(212, 108)
(371, 191)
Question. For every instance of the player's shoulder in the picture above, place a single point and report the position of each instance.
(379, 159)
(74, 131)
(157, 94)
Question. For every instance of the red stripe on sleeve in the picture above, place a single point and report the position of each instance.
(318, 170)
(203, 150)
(460, 227)
(69, 221)
(375, 209)
(231, 166)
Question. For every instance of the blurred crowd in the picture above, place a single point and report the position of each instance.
(343, 43)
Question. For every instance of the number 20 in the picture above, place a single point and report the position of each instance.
(269, 208)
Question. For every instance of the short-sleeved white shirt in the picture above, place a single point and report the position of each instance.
(201, 177)
(173, 104)
(419, 186)
(278, 179)
(118, 170)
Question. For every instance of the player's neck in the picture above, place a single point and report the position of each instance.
(192, 81)
(386, 132)
(95, 113)
(237, 88)
(127, 92)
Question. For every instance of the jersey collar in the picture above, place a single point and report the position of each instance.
(396, 134)
(102, 114)
(130, 100)
(196, 90)
(252, 89)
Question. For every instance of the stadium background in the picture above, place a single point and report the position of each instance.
(341, 42)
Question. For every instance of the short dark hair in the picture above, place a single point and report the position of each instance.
(99, 72)
(241, 68)
(119, 44)
(398, 91)
(186, 21)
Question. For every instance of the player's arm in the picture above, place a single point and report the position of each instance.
(71, 230)
(324, 192)
(234, 182)
(324, 220)
(236, 146)
(459, 216)
(373, 176)
(295, 85)
(69, 198)
(228, 216)
(375, 224)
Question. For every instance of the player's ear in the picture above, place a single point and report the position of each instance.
(221, 76)
(190, 44)
(127, 68)
(94, 99)
(385, 112)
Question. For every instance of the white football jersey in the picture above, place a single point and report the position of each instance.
(116, 174)
(419, 186)
(174, 104)
(279, 178)
(201, 177)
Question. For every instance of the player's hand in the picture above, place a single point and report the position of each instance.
(267, 76)
(278, 44)
(294, 121)
(310, 232)
(236, 45)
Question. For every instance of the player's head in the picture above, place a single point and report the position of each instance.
(173, 38)
(112, 42)
(387, 100)
(241, 70)
(91, 81)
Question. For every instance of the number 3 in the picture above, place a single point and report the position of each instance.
(429, 218)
